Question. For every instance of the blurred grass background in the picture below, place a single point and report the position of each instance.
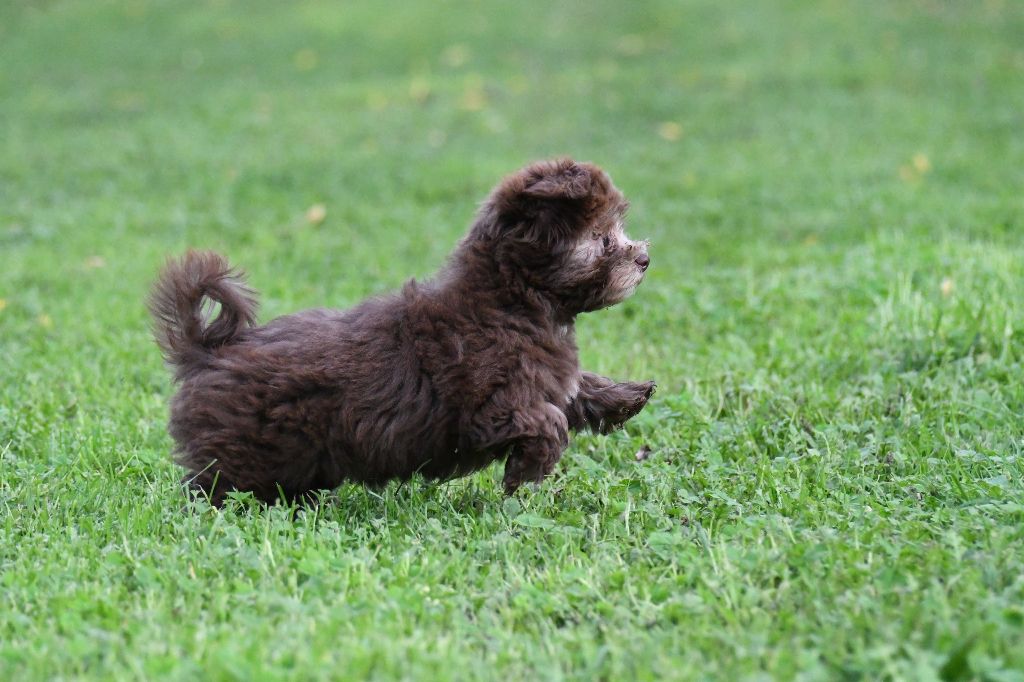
(833, 193)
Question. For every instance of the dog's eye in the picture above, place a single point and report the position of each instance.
(606, 241)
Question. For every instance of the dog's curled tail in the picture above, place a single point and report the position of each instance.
(185, 295)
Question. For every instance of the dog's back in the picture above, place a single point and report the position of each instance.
(309, 400)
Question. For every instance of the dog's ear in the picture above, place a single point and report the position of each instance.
(544, 189)
(563, 179)
(546, 200)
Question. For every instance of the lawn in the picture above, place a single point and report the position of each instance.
(833, 191)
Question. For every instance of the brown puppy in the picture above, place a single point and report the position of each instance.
(442, 378)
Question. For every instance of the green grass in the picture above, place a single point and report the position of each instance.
(833, 316)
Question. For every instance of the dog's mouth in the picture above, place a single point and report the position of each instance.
(613, 272)
(625, 280)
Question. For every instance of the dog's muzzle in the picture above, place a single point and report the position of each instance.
(639, 252)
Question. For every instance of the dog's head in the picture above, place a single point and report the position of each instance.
(559, 227)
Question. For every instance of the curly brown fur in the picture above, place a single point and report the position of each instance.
(443, 378)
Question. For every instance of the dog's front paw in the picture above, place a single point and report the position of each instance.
(515, 475)
(520, 470)
(636, 396)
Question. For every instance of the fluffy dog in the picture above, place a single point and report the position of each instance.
(441, 379)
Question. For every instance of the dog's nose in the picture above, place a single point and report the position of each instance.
(643, 260)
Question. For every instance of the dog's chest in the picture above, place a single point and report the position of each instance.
(564, 367)
(572, 388)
